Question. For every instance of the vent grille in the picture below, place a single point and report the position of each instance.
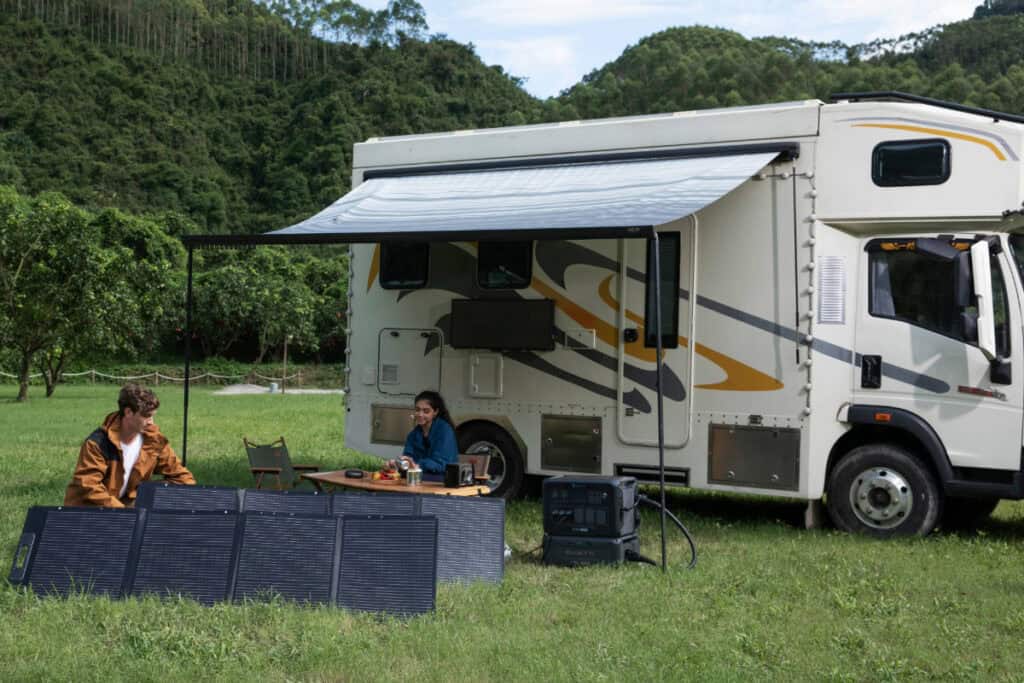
(389, 373)
(832, 289)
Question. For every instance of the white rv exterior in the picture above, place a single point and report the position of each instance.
(820, 351)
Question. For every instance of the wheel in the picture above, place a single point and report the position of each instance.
(882, 490)
(506, 466)
(964, 513)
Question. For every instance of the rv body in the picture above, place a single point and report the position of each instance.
(818, 343)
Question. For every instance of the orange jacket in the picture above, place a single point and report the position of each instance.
(99, 473)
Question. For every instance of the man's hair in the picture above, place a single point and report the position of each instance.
(137, 397)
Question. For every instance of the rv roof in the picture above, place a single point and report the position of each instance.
(612, 119)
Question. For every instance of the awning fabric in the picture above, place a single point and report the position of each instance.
(584, 199)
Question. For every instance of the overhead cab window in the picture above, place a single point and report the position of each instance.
(404, 265)
(505, 265)
(669, 262)
(901, 163)
(920, 289)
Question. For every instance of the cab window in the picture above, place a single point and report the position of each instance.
(918, 289)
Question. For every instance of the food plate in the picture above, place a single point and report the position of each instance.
(386, 481)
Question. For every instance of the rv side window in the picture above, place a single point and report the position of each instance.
(918, 289)
(403, 265)
(669, 263)
(910, 162)
(505, 265)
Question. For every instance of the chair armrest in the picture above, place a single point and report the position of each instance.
(265, 470)
(306, 468)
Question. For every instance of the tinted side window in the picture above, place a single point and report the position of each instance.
(669, 262)
(404, 265)
(910, 162)
(505, 265)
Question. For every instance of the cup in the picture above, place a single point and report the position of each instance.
(414, 477)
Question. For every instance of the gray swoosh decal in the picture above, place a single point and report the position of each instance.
(554, 258)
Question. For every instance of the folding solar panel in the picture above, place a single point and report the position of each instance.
(388, 564)
(187, 553)
(158, 495)
(293, 502)
(470, 537)
(374, 504)
(287, 555)
(64, 550)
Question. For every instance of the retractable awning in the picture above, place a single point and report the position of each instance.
(606, 198)
(549, 199)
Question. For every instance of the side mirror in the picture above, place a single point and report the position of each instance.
(981, 267)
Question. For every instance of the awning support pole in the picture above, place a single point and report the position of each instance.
(188, 356)
(657, 383)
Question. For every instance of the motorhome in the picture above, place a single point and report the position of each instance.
(841, 311)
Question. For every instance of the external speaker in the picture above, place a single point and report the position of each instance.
(159, 495)
(590, 506)
(575, 551)
(458, 474)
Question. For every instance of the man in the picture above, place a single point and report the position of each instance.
(126, 450)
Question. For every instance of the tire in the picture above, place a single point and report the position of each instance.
(882, 490)
(965, 513)
(506, 467)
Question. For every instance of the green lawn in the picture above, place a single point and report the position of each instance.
(768, 600)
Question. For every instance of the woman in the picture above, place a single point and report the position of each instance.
(431, 445)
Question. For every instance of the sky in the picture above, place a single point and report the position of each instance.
(554, 43)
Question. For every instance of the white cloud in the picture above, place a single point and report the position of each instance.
(550, 62)
(562, 12)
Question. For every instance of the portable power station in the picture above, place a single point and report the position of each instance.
(590, 520)
(590, 506)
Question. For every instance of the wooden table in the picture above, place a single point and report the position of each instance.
(367, 483)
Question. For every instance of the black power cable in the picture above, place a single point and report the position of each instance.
(644, 500)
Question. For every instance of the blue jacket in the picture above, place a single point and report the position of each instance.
(435, 451)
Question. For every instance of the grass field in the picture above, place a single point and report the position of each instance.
(768, 601)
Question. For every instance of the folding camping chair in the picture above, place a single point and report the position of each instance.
(272, 460)
(480, 461)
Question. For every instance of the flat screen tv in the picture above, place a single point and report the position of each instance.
(506, 324)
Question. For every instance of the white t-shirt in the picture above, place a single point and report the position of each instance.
(129, 456)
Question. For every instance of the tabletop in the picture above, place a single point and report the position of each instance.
(367, 483)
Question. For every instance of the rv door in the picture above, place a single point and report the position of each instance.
(637, 404)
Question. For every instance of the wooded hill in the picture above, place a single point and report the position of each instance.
(241, 116)
(236, 116)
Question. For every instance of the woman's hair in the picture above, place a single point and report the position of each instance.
(437, 403)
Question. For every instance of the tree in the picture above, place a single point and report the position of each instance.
(50, 262)
(75, 284)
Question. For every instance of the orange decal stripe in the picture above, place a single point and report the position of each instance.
(374, 268)
(606, 332)
(937, 131)
(739, 375)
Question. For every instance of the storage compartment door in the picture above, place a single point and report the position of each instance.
(408, 361)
